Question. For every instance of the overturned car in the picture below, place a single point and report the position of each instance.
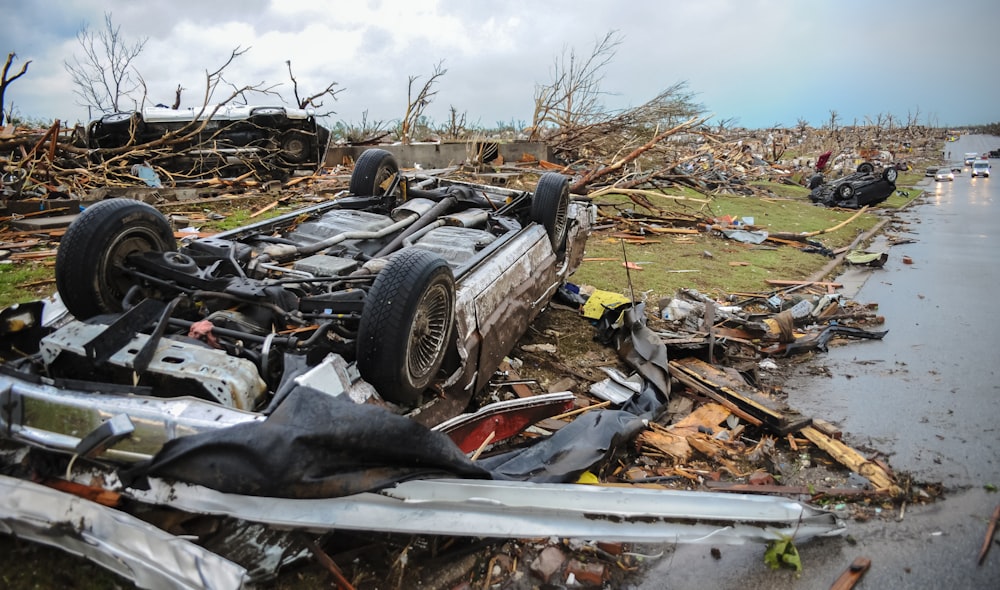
(864, 187)
(267, 137)
(420, 284)
(313, 372)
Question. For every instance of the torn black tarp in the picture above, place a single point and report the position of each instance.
(588, 440)
(318, 446)
(312, 446)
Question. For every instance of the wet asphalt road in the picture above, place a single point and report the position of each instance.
(928, 396)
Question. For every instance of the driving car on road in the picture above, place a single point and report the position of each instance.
(980, 168)
(944, 174)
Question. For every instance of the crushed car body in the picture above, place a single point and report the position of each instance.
(313, 372)
(866, 186)
(255, 136)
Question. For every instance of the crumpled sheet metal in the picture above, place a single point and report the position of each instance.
(36, 413)
(121, 543)
(518, 510)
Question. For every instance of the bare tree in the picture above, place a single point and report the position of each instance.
(105, 77)
(834, 117)
(365, 132)
(312, 100)
(573, 95)
(177, 97)
(455, 127)
(802, 126)
(415, 105)
(5, 81)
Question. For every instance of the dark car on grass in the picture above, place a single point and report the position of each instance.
(864, 187)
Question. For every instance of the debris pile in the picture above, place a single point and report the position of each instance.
(71, 163)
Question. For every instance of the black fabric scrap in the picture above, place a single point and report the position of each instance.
(312, 446)
(587, 441)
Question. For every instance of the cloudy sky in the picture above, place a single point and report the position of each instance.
(757, 63)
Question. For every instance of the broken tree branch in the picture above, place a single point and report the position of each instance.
(578, 186)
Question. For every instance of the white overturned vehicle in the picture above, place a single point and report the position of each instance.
(283, 377)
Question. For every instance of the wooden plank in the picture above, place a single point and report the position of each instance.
(852, 574)
(33, 255)
(690, 371)
(707, 415)
(827, 428)
(703, 389)
(786, 283)
(853, 460)
(671, 230)
(675, 445)
(270, 206)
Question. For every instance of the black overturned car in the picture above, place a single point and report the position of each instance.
(864, 187)
(250, 136)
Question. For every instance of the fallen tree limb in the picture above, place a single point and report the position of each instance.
(578, 186)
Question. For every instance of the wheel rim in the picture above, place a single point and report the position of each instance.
(112, 281)
(891, 175)
(561, 222)
(294, 147)
(428, 332)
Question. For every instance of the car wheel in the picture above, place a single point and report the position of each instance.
(845, 191)
(88, 263)
(550, 207)
(372, 172)
(866, 168)
(295, 146)
(890, 175)
(406, 325)
(815, 180)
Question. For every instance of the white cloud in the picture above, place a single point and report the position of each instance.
(759, 61)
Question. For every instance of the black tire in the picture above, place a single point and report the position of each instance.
(295, 146)
(845, 191)
(890, 175)
(88, 276)
(550, 207)
(866, 168)
(372, 171)
(406, 325)
(815, 180)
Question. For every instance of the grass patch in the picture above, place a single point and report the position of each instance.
(25, 281)
(710, 263)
